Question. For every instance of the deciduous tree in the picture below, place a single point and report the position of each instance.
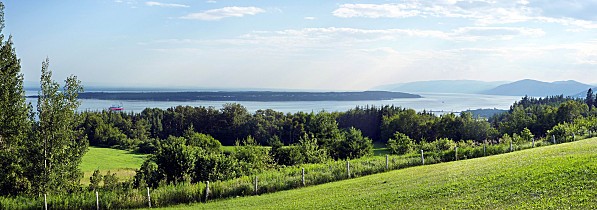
(57, 144)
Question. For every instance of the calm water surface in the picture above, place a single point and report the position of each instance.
(444, 102)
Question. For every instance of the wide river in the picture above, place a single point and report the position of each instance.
(436, 102)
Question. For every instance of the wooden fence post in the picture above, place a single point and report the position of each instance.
(303, 172)
(484, 145)
(348, 168)
(422, 158)
(533, 142)
(455, 153)
(511, 145)
(256, 180)
(206, 190)
(553, 138)
(148, 197)
(45, 201)
(97, 199)
(573, 137)
(387, 162)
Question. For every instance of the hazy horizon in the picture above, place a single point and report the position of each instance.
(304, 45)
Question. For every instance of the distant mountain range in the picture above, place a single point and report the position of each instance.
(528, 87)
(539, 89)
(519, 88)
(442, 86)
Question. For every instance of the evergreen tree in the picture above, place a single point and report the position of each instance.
(57, 144)
(14, 121)
(590, 99)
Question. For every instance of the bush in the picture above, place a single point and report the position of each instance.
(353, 145)
(215, 166)
(400, 144)
(287, 156)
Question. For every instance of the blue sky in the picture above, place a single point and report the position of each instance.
(307, 44)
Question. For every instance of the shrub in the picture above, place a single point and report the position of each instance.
(400, 144)
(287, 156)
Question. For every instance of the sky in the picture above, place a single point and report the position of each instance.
(304, 44)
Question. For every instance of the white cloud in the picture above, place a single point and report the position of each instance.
(159, 4)
(217, 14)
(310, 18)
(350, 36)
(482, 12)
(502, 33)
(334, 39)
(128, 2)
(376, 10)
(211, 1)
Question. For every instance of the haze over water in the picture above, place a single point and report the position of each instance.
(437, 102)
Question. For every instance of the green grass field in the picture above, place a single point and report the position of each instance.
(380, 149)
(123, 163)
(559, 176)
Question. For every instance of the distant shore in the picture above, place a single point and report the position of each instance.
(263, 96)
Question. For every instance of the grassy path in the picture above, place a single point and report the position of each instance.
(559, 176)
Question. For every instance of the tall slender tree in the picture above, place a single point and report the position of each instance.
(590, 99)
(58, 144)
(14, 120)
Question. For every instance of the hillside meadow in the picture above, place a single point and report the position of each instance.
(120, 162)
(557, 176)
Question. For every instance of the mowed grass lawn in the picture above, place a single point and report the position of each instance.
(122, 163)
(551, 177)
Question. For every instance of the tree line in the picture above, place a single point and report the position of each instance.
(193, 135)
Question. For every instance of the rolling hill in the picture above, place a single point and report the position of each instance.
(552, 177)
(539, 88)
(441, 86)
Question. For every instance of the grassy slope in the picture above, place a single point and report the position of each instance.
(123, 163)
(559, 176)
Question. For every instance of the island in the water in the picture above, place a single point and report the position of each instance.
(248, 96)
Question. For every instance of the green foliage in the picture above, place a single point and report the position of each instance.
(506, 139)
(563, 132)
(175, 159)
(148, 175)
(324, 127)
(288, 155)
(400, 144)
(570, 110)
(14, 121)
(590, 99)
(353, 145)
(215, 166)
(526, 135)
(95, 180)
(110, 181)
(58, 142)
(200, 140)
(311, 150)
(251, 157)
